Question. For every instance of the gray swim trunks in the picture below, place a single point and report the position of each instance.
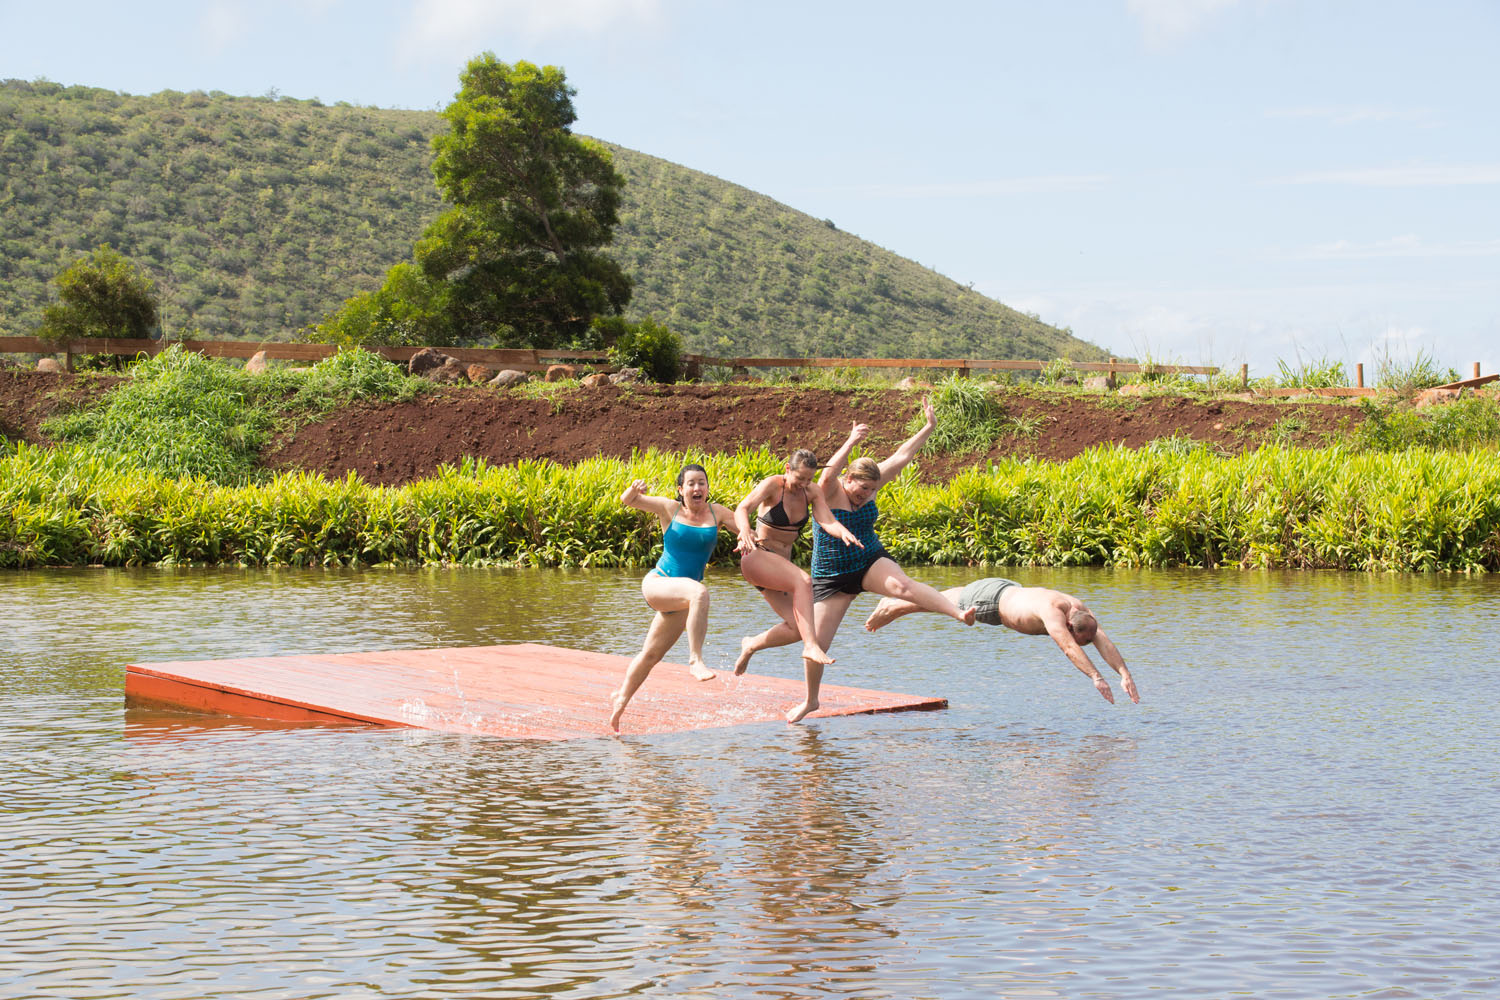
(984, 597)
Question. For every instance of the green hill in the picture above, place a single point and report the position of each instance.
(258, 216)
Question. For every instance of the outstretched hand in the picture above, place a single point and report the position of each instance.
(747, 543)
(1128, 683)
(929, 412)
(859, 432)
(1102, 686)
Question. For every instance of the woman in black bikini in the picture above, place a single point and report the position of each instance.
(783, 505)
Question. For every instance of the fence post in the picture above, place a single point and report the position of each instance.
(1244, 376)
(1476, 369)
(1359, 374)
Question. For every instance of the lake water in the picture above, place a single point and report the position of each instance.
(1303, 805)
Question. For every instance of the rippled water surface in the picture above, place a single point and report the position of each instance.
(1304, 804)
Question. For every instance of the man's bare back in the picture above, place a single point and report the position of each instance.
(1030, 611)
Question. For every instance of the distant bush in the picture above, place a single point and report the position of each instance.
(652, 348)
(102, 294)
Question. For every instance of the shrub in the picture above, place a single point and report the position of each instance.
(652, 348)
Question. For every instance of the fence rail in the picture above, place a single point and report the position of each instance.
(540, 360)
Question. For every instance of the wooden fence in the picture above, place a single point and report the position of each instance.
(530, 360)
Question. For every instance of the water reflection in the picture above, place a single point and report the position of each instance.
(1301, 806)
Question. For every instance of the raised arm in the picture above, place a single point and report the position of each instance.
(840, 458)
(902, 456)
(635, 495)
(1112, 656)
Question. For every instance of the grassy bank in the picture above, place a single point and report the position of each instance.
(1412, 510)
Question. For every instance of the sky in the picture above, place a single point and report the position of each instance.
(1222, 182)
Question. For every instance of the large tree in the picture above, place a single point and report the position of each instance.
(101, 294)
(516, 260)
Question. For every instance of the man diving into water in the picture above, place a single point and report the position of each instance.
(1029, 611)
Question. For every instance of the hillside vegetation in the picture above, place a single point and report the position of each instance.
(259, 216)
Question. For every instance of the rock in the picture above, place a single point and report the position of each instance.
(557, 373)
(626, 376)
(595, 380)
(912, 383)
(50, 365)
(257, 363)
(1136, 389)
(451, 371)
(508, 378)
(425, 360)
(1099, 382)
(479, 374)
(1435, 397)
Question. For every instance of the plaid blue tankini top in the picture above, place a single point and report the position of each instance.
(832, 557)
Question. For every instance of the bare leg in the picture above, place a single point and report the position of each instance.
(697, 630)
(890, 608)
(886, 578)
(767, 569)
(827, 615)
(780, 634)
(678, 593)
(665, 629)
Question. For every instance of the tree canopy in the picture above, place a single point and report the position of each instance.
(516, 260)
(102, 294)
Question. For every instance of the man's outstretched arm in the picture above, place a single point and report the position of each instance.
(1057, 628)
(1112, 656)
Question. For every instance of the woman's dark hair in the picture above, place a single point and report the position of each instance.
(802, 459)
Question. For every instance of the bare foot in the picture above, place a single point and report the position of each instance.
(968, 618)
(700, 670)
(617, 703)
(745, 653)
(882, 616)
(811, 652)
(796, 714)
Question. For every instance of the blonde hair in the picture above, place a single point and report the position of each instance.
(866, 469)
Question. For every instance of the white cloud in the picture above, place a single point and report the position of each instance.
(1408, 176)
(1398, 246)
(449, 26)
(1167, 21)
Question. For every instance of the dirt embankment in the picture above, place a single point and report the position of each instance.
(392, 443)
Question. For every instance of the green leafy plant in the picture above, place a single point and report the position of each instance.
(652, 348)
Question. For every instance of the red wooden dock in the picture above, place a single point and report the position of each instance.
(524, 691)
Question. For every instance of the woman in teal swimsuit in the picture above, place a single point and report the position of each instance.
(783, 505)
(674, 588)
(841, 572)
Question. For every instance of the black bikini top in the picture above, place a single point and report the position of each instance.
(776, 518)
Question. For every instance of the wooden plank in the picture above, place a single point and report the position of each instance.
(522, 691)
(1469, 383)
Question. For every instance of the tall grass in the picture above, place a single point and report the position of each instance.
(968, 417)
(183, 414)
(1338, 508)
